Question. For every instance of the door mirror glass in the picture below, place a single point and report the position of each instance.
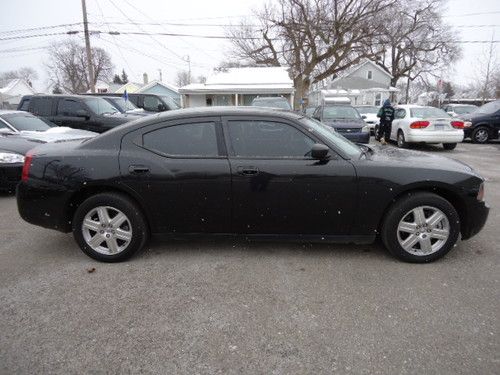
(363, 117)
(319, 151)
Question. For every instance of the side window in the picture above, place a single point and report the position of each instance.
(134, 99)
(268, 139)
(400, 113)
(197, 139)
(317, 112)
(42, 106)
(24, 105)
(152, 103)
(68, 107)
(369, 74)
(3, 125)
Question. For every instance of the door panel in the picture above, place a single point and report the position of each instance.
(183, 193)
(293, 194)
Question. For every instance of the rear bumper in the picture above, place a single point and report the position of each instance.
(356, 137)
(10, 175)
(44, 205)
(434, 136)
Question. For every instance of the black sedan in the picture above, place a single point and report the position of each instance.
(247, 171)
(484, 123)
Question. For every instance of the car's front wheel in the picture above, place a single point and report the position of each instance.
(109, 227)
(420, 227)
(480, 135)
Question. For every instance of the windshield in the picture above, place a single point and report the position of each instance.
(26, 122)
(428, 112)
(170, 102)
(272, 103)
(464, 109)
(122, 104)
(100, 106)
(340, 112)
(364, 110)
(349, 148)
(310, 110)
(489, 107)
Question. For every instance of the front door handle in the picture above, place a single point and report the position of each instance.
(248, 171)
(138, 169)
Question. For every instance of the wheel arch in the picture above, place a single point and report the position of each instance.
(90, 190)
(443, 191)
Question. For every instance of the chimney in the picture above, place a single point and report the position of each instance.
(145, 78)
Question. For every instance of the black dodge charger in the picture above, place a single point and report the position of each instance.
(252, 172)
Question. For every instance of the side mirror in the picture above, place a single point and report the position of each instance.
(319, 151)
(316, 117)
(82, 113)
(161, 108)
(363, 117)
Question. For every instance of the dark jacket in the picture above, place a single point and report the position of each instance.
(386, 112)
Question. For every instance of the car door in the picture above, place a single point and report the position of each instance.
(398, 122)
(74, 114)
(278, 189)
(181, 172)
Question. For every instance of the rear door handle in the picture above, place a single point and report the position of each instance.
(138, 169)
(248, 171)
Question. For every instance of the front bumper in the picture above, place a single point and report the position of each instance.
(10, 175)
(357, 137)
(477, 214)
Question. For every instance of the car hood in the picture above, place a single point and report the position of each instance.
(417, 159)
(19, 145)
(58, 133)
(344, 123)
(371, 117)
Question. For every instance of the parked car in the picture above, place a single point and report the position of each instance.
(484, 123)
(345, 119)
(25, 124)
(422, 124)
(278, 102)
(15, 142)
(369, 114)
(75, 111)
(253, 172)
(126, 106)
(148, 102)
(458, 110)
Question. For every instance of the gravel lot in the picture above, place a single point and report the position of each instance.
(221, 306)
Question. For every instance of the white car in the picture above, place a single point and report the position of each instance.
(459, 110)
(26, 125)
(420, 124)
(369, 114)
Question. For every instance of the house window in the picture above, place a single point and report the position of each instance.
(378, 99)
(369, 74)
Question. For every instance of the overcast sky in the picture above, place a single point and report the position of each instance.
(139, 54)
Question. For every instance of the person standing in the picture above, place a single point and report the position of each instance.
(386, 115)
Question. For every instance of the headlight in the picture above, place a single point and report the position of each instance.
(11, 158)
(365, 129)
(467, 124)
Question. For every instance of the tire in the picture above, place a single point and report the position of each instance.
(480, 135)
(401, 139)
(424, 240)
(449, 146)
(112, 241)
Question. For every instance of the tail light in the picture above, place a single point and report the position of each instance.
(458, 124)
(419, 124)
(26, 167)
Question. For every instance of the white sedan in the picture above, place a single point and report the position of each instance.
(420, 124)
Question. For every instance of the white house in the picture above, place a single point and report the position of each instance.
(365, 83)
(11, 92)
(239, 86)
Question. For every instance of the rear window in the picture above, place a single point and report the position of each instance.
(428, 112)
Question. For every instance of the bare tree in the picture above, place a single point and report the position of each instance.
(26, 73)
(68, 67)
(415, 41)
(317, 39)
(182, 78)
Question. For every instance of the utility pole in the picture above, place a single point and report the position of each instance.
(187, 58)
(87, 47)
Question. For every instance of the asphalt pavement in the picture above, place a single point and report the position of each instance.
(225, 307)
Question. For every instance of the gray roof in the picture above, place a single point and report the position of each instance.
(356, 83)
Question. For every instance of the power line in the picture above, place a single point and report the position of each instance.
(473, 14)
(40, 28)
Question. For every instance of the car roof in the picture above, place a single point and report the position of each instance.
(75, 96)
(408, 106)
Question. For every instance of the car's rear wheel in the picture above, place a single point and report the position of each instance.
(109, 227)
(449, 146)
(420, 227)
(480, 135)
(401, 140)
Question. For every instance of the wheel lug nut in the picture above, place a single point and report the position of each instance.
(101, 231)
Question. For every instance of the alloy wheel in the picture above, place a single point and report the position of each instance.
(423, 231)
(481, 135)
(107, 230)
